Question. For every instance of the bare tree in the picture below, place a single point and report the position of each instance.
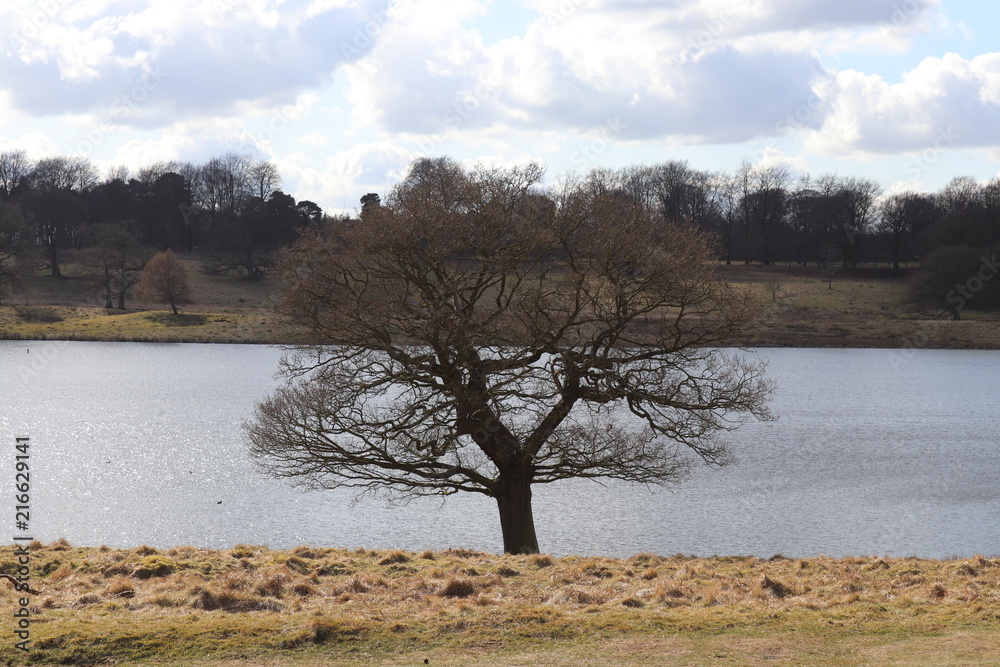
(118, 172)
(860, 197)
(727, 200)
(150, 174)
(901, 215)
(15, 168)
(76, 174)
(463, 337)
(56, 216)
(264, 179)
(743, 179)
(829, 262)
(15, 248)
(164, 280)
(114, 259)
(768, 204)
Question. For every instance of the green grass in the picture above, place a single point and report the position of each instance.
(309, 606)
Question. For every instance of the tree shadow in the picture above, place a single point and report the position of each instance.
(179, 320)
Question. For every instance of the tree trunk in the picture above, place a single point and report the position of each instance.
(516, 520)
(54, 261)
(173, 306)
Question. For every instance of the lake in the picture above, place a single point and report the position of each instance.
(876, 452)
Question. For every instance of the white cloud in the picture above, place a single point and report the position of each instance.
(797, 165)
(214, 55)
(36, 144)
(940, 104)
(346, 175)
(579, 72)
(148, 80)
(317, 139)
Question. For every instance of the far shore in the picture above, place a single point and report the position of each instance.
(868, 307)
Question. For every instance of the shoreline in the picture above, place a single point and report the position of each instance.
(782, 328)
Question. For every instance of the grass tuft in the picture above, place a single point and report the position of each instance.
(458, 587)
(770, 587)
(541, 560)
(153, 566)
(394, 557)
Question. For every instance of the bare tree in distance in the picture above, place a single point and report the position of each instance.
(164, 280)
(474, 334)
(114, 259)
(860, 196)
(901, 216)
(15, 170)
(768, 204)
(70, 173)
(16, 255)
(265, 179)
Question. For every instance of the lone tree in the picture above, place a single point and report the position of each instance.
(471, 335)
(164, 280)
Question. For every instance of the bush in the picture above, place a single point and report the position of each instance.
(153, 566)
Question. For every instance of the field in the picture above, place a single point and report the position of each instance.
(312, 606)
(228, 309)
(865, 307)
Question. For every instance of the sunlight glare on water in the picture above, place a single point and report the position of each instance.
(141, 444)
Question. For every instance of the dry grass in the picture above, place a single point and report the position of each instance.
(253, 603)
(864, 308)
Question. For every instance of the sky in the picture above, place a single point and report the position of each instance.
(342, 95)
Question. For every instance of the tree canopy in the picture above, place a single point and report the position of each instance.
(476, 334)
(164, 280)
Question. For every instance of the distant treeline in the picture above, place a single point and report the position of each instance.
(232, 207)
(761, 214)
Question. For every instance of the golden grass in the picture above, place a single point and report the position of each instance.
(253, 605)
(85, 323)
(864, 308)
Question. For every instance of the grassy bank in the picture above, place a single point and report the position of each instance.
(311, 606)
(861, 308)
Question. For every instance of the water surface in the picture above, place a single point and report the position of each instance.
(141, 444)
